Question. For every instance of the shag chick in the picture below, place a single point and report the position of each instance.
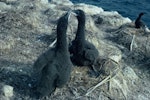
(83, 52)
(138, 22)
(54, 66)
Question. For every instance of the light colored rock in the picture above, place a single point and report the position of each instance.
(146, 29)
(4, 6)
(11, 0)
(114, 18)
(8, 90)
(44, 1)
(115, 57)
(89, 9)
(129, 73)
(62, 2)
(110, 13)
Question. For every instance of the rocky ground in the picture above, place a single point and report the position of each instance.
(27, 29)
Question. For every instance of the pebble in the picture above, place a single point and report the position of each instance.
(7, 91)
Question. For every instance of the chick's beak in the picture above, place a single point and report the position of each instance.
(67, 15)
(74, 12)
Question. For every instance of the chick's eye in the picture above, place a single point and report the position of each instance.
(77, 12)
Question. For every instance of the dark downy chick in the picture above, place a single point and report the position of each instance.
(138, 22)
(83, 52)
(54, 66)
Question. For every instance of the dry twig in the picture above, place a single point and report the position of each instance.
(107, 79)
(131, 46)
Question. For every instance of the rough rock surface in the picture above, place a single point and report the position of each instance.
(27, 29)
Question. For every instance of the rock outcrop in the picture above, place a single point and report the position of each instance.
(27, 29)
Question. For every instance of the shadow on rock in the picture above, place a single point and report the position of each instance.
(45, 38)
(19, 78)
